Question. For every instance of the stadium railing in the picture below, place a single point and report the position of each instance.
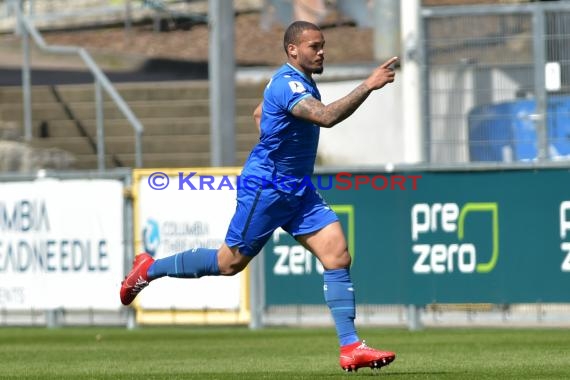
(27, 28)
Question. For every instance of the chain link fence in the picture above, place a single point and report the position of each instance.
(497, 82)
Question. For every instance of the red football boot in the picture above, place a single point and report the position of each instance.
(137, 278)
(359, 355)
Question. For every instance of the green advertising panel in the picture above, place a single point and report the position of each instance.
(449, 237)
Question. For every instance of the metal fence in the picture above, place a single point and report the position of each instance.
(28, 29)
(496, 83)
(54, 14)
(433, 315)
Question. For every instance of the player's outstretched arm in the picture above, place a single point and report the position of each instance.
(329, 115)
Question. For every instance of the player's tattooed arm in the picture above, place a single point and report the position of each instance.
(327, 116)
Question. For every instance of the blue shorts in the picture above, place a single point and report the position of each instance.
(259, 212)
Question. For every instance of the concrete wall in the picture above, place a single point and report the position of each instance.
(371, 136)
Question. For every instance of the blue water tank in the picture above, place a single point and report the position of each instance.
(507, 131)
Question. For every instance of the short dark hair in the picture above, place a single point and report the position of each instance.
(295, 30)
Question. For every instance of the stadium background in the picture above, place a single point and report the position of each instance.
(490, 128)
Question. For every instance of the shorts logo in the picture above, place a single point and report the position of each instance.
(297, 87)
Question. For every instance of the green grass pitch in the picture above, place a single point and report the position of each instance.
(278, 353)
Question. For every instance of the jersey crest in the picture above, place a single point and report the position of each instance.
(297, 87)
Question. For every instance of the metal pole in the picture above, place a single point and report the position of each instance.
(95, 70)
(26, 74)
(138, 149)
(128, 18)
(14, 8)
(222, 83)
(114, 95)
(256, 294)
(53, 318)
(414, 134)
(128, 248)
(414, 319)
(423, 91)
(100, 126)
(386, 29)
(539, 53)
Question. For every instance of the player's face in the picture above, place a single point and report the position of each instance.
(309, 53)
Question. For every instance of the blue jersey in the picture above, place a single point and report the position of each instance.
(287, 147)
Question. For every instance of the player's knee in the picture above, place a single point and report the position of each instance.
(234, 266)
(232, 269)
(337, 261)
(342, 256)
(344, 260)
(230, 261)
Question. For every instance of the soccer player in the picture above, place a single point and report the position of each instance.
(289, 118)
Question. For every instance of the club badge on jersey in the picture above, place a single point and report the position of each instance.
(297, 87)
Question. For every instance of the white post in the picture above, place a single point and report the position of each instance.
(26, 72)
(414, 134)
(100, 122)
(221, 74)
(256, 292)
(414, 318)
(386, 29)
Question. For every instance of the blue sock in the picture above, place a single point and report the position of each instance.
(339, 296)
(194, 263)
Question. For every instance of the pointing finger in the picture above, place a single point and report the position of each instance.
(389, 62)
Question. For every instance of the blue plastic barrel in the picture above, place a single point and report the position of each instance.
(507, 131)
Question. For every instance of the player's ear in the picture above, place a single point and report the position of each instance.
(292, 50)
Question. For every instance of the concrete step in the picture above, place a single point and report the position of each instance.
(150, 144)
(154, 160)
(142, 110)
(152, 127)
(175, 116)
(131, 92)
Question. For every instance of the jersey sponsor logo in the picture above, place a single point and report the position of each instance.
(297, 87)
